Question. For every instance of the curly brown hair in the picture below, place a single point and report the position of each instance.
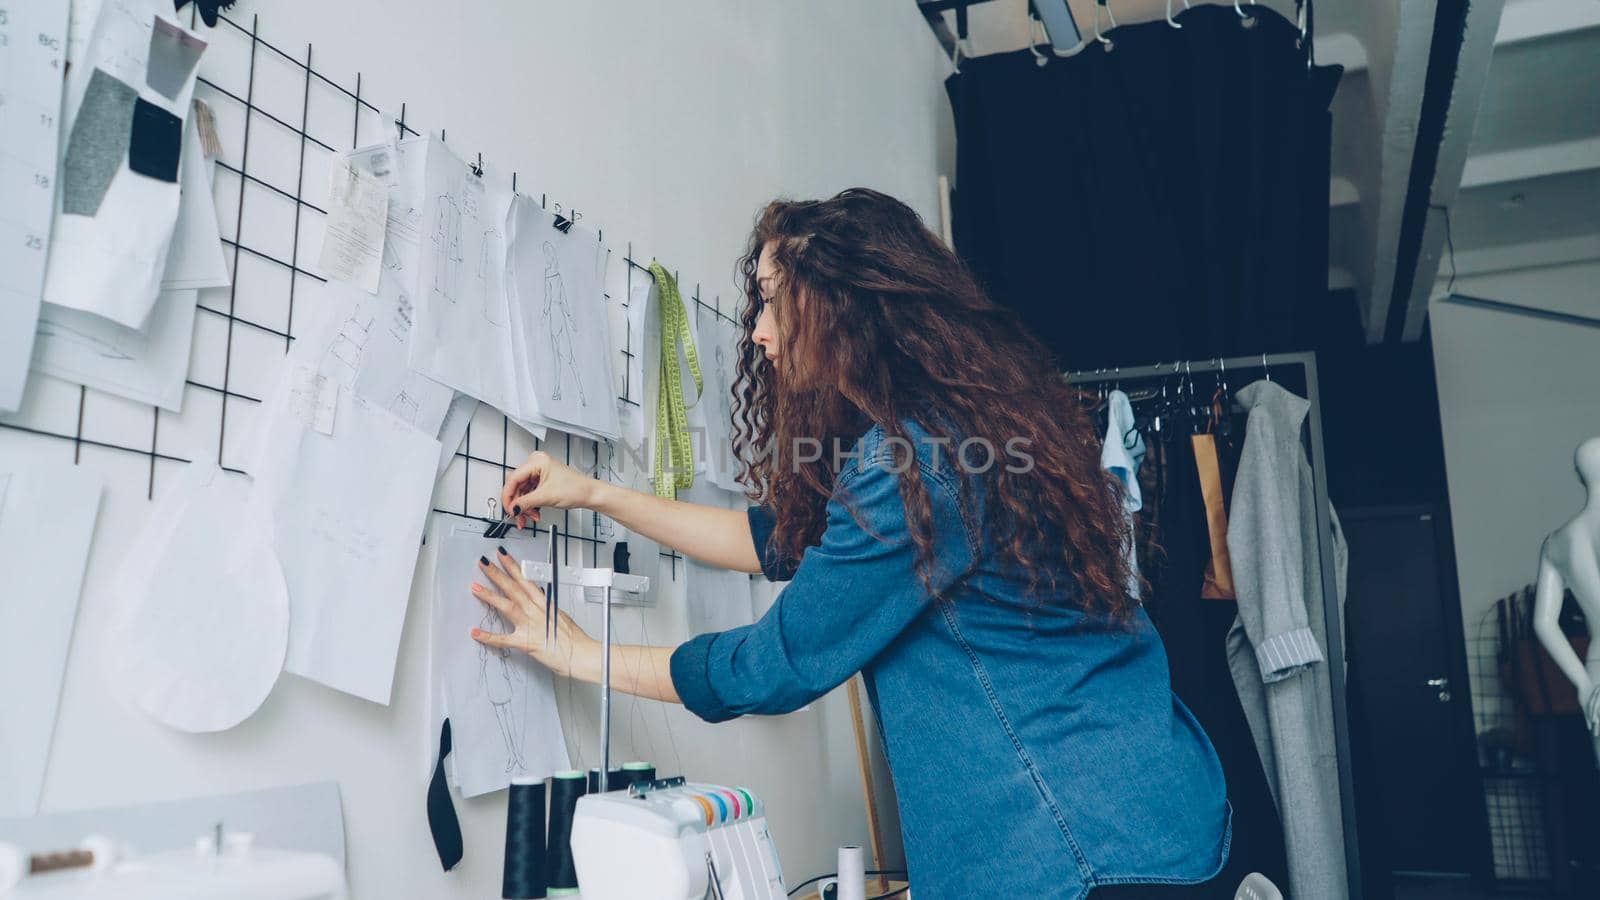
(882, 323)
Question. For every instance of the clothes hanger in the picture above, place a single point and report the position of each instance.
(1039, 59)
(1246, 20)
(1170, 20)
(1105, 41)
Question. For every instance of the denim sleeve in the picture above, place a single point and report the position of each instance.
(850, 597)
(774, 564)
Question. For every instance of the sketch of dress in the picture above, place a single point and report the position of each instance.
(562, 325)
(502, 683)
(494, 306)
(447, 247)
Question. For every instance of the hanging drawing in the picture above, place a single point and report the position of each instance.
(555, 284)
(461, 337)
(501, 705)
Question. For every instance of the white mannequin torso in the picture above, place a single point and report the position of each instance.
(1570, 560)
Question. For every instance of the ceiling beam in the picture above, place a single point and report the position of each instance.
(1537, 161)
(1530, 20)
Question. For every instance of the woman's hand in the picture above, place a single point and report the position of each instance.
(543, 481)
(569, 651)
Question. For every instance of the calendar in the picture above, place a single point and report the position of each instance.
(33, 42)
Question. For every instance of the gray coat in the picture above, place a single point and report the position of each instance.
(1275, 647)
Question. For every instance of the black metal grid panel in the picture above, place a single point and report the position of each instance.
(225, 317)
(1513, 784)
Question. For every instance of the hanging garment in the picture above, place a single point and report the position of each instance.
(1121, 455)
(1219, 569)
(1185, 174)
(1275, 647)
(1194, 632)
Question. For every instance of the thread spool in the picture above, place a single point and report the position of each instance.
(852, 873)
(637, 773)
(613, 780)
(523, 876)
(561, 876)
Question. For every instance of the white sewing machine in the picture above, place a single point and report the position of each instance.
(675, 841)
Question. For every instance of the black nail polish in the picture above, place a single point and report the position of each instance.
(503, 552)
(516, 510)
(484, 560)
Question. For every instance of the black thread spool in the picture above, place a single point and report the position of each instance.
(637, 773)
(559, 872)
(523, 876)
(613, 780)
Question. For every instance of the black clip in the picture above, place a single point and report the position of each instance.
(478, 169)
(563, 224)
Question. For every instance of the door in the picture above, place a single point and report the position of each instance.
(1408, 689)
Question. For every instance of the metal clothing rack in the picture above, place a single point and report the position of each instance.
(262, 61)
(1306, 363)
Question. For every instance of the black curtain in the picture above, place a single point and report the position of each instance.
(1166, 199)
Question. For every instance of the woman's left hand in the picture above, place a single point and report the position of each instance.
(569, 651)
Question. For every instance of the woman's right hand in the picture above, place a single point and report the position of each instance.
(543, 481)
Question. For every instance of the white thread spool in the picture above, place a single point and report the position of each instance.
(851, 882)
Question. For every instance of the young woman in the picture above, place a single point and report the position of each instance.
(931, 490)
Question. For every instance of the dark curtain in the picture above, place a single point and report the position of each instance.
(1167, 199)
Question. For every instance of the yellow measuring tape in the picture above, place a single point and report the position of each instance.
(674, 465)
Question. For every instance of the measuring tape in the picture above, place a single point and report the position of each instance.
(674, 465)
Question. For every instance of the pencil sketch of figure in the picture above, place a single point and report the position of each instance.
(561, 325)
(447, 247)
(494, 306)
(605, 528)
(503, 687)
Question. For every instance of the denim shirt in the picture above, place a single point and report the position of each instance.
(1036, 752)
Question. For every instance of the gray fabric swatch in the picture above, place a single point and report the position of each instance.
(98, 143)
(173, 55)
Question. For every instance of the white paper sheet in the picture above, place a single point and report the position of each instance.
(347, 512)
(560, 326)
(201, 618)
(463, 336)
(501, 704)
(31, 63)
(715, 599)
(360, 340)
(195, 258)
(111, 263)
(47, 519)
(454, 429)
(719, 365)
(358, 215)
(313, 397)
(401, 166)
(638, 418)
(149, 366)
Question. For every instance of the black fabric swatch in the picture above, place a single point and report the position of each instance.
(157, 137)
(442, 819)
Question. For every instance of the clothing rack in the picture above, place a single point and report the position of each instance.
(1265, 364)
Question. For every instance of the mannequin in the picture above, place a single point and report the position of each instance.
(1570, 560)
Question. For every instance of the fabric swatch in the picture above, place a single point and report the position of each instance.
(157, 137)
(98, 143)
(173, 56)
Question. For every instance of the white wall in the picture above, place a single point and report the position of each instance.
(1517, 393)
(667, 125)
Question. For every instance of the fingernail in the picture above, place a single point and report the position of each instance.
(476, 587)
(503, 552)
(516, 510)
(476, 632)
(484, 560)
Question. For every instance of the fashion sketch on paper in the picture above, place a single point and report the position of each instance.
(561, 325)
